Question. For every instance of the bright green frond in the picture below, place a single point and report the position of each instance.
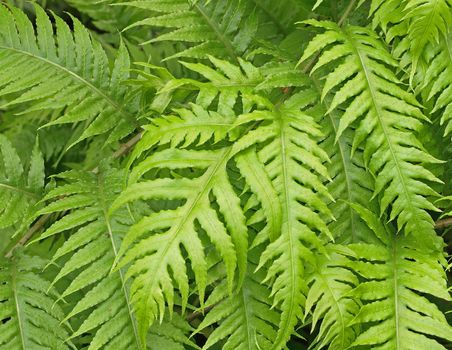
(181, 129)
(88, 256)
(63, 70)
(20, 188)
(205, 210)
(29, 318)
(364, 84)
(400, 273)
(287, 148)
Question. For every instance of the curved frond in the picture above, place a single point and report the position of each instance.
(19, 190)
(88, 256)
(364, 84)
(29, 318)
(400, 274)
(205, 210)
(64, 70)
(287, 148)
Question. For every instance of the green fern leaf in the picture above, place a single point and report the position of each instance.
(90, 251)
(80, 78)
(399, 273)
(206, 209)
(29, 318)
(351, 183)
(18, 191)
(389, 115)
(294, 162)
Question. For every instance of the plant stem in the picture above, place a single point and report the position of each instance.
(443, 223)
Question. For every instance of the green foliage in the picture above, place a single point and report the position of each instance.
(82, 82)
(20, 190)
(29, 317)
(238, 174)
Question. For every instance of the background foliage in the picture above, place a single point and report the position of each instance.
(234, 174)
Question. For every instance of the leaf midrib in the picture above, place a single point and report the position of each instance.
(18, 189)
(378, 111)
(16, 302)
(105, 209)
(282, 141)
(222, 38)
(185, 216)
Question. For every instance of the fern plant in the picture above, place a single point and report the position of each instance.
(240, 174)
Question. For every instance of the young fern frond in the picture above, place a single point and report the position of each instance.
(19, 191)
(225, 28)
(400, 273)
(105, 308)
(389, 117)
(245, 320)
(287, 148)
(48, 70)
(29, 317)
(205, 208)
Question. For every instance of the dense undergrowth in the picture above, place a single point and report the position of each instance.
(225, 174)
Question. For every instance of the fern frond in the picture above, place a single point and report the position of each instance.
(227, 85)
(329, 297)
(183, 128)
(29, 318)
(417, 22)
(438, 79)
(400, 273)
(287, 148)
(19, 191)
(225, 28)
(64, 69)
(88, 256)
(389, 117)
(351, 183)
(246, 319)
(205, 209)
